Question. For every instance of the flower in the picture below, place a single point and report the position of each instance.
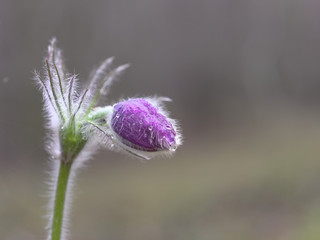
(138, 126)
(77, 126)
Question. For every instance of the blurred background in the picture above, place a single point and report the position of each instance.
(244, 77)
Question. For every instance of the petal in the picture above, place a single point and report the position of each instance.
(139, 124)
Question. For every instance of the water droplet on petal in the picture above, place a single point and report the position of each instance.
(173, 148)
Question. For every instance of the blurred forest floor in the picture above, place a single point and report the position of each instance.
(262, 184)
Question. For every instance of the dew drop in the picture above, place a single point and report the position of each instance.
(173, 148)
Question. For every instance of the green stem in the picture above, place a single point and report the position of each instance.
(60, 199)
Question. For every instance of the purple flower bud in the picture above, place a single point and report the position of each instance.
(141, 125)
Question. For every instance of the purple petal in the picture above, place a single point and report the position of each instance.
(140, 125)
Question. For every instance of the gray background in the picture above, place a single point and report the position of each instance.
(244, 77)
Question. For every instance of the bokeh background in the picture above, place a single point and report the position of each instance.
(244, 77)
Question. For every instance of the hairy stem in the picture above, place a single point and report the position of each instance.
(60, 84)
(60, 199)
(53, 91)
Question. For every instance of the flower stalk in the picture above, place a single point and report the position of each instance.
(77, 127)
(60, 199)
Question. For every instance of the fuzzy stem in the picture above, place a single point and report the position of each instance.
(60, 84)
(98, 93)
(53, 91)
(60, 199)
(69, 93)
